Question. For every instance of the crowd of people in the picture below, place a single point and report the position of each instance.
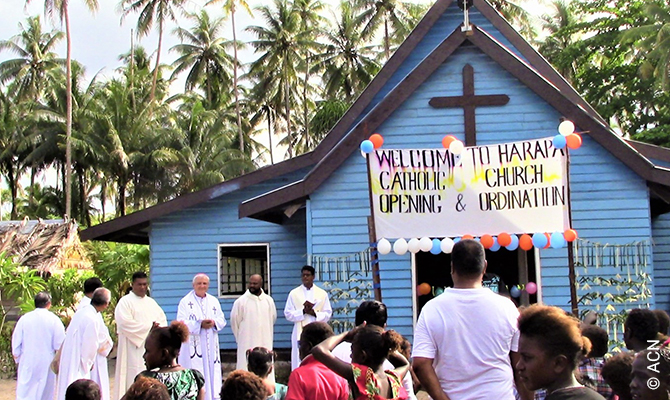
(469, 343)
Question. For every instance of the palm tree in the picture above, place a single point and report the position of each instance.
(12, 145)
(348, 63)
(557, 47)
(389, 14)
(516, 15)
(281, 44)
(204, 53)
(229, 7)
(652, 42)
(36, 59)
(61, 7)
(161, 11)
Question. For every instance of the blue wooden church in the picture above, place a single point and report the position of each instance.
(315, 208)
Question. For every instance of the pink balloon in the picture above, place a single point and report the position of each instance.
(531, 287)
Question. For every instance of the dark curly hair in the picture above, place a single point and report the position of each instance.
(599, 340)
(557, 332)
(145, 388)
(616, 372)
(642, 324)
(243, 385)
(171, 337)
(83, 389)
(260, 360)
(377, 343)
(663, 321)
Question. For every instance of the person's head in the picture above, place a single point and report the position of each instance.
(255, 285)
(91, 284)
(200, 285)
(140, 284)
(145, 388)
(468, 261)
(243, 385)
(260, 361)
(42, 300)
(163, 344)
(307, 275)
(83, 389)
(599, 340)
(101, 298)
(373, 312)
(371, 345)
(311, 335)
(406, 348)
(550, 346)
(617, 372)
(640, 327)
(663, 321)
(651, 374)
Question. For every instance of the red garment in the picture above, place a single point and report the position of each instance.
(313, 380)
(369, 387)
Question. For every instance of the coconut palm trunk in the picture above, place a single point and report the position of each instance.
(158, 60)
(235, 91)
(68, 114)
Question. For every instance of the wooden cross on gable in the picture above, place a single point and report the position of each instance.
(469, 102)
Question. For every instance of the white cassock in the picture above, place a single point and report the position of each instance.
(293, 313)
(134, 317)
(37, 335)
(252, 320)
(85, 339)
(100, 371)
(201, 352)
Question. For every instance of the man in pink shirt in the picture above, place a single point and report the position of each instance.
(313, 380)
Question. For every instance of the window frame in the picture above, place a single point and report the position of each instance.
(218, 269)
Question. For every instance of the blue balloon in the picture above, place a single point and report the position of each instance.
(559, 141)
(457, 239)
(495, 247)
(515, 243)
(514, 291)
(439, 291)
(367, 147)
(539, 240)
(437, 249)
(557, 240)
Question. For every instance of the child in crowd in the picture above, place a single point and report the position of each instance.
(83, 389)
(146, 389)
(371, 345)
(161, 351)
(651, 375)
(260, 361)
(591, 366)
(617, 371)
(550, 347)
(243, 385)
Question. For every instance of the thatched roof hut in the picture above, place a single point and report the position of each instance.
(46, 246)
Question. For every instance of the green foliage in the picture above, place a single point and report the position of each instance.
(64, 289)
(115, 263)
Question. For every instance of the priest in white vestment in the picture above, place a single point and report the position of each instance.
(135, 314)
(85, 339)
(305, 304)
(201, 312)
(36, 338)
(252, 319)
(100, 372)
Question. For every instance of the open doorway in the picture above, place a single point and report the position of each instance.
(505, 269)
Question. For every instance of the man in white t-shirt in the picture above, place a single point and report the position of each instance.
(373, 312)
(466, 340)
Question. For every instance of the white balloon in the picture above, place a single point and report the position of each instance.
(425, 243)
(413, 246)
(446, 245)
(400, 246)
(566, 128)
(384, 246)
(456, 147)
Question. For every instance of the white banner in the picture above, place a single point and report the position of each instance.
(518, 187)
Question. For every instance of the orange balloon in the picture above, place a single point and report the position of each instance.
(465, 237)
(548, 240)
(570, 235)
(446, 141)
(504, 239)
(487, 241)
(574, 141)
(423, 289)
(525, 242)
(377, 140)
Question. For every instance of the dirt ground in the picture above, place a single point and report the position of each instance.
(8, 386)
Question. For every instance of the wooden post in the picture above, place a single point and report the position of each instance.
(571, 258)
(372, 234)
